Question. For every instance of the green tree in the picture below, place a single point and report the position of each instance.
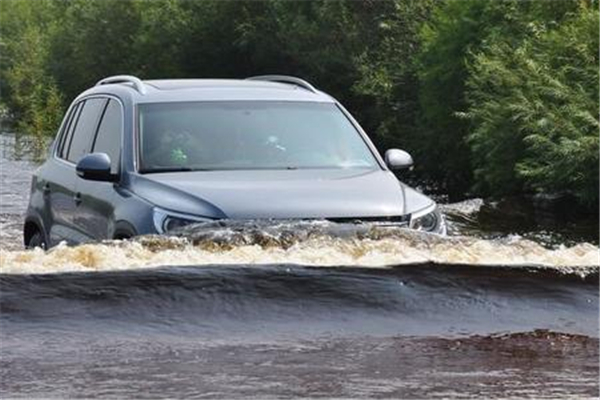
(315, 40)
(33, 95)
(94, 39)
(160, 39)
(387, 72)
(495, 97)
(453, 36)
(534, 110)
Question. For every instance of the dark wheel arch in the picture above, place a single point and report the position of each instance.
(33, 230)
(124, 230)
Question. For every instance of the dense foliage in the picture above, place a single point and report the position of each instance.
(534, 111)
(492, 98)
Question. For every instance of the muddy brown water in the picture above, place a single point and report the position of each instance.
(299, 310)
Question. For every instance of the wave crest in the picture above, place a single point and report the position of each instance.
(303, 243)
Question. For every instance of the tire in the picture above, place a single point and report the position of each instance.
(37, 240)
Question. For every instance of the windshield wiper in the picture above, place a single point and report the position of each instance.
(172, 169)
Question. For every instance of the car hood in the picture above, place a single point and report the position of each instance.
(315, 193)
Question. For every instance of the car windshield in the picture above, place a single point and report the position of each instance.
(248, 135)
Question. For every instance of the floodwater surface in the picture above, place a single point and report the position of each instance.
(300, 309)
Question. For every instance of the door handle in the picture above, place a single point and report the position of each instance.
(77, 198)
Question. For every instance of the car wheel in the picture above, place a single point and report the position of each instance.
(37, 240)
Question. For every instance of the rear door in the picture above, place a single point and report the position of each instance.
(57, 182)
(95, 216)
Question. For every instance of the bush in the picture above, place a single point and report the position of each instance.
(457, 32)
(34, 96)
(534, 111)
(491, 97)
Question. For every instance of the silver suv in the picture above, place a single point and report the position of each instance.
(136, 157)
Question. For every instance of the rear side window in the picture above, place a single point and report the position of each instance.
(108, 139)
(85, 129)
(65, 138)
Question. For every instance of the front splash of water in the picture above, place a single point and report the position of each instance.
(305, 243)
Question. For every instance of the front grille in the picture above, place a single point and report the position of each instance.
(397, 220)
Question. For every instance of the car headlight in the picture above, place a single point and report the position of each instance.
(429, 220)
(165, 221)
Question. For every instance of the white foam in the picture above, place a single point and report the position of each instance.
(317, 251)
(465, 207)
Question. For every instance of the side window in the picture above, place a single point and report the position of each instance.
(85, 129)
(65, 138)
(108, 139)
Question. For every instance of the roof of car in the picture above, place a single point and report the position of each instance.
(270, 87)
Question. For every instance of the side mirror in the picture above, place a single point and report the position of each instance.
(95, 167)
(398, 159)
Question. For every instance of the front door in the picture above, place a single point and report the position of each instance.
(77, 145)
(95, 215)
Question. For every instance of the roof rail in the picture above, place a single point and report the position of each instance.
(285, 79)
(137, 82)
